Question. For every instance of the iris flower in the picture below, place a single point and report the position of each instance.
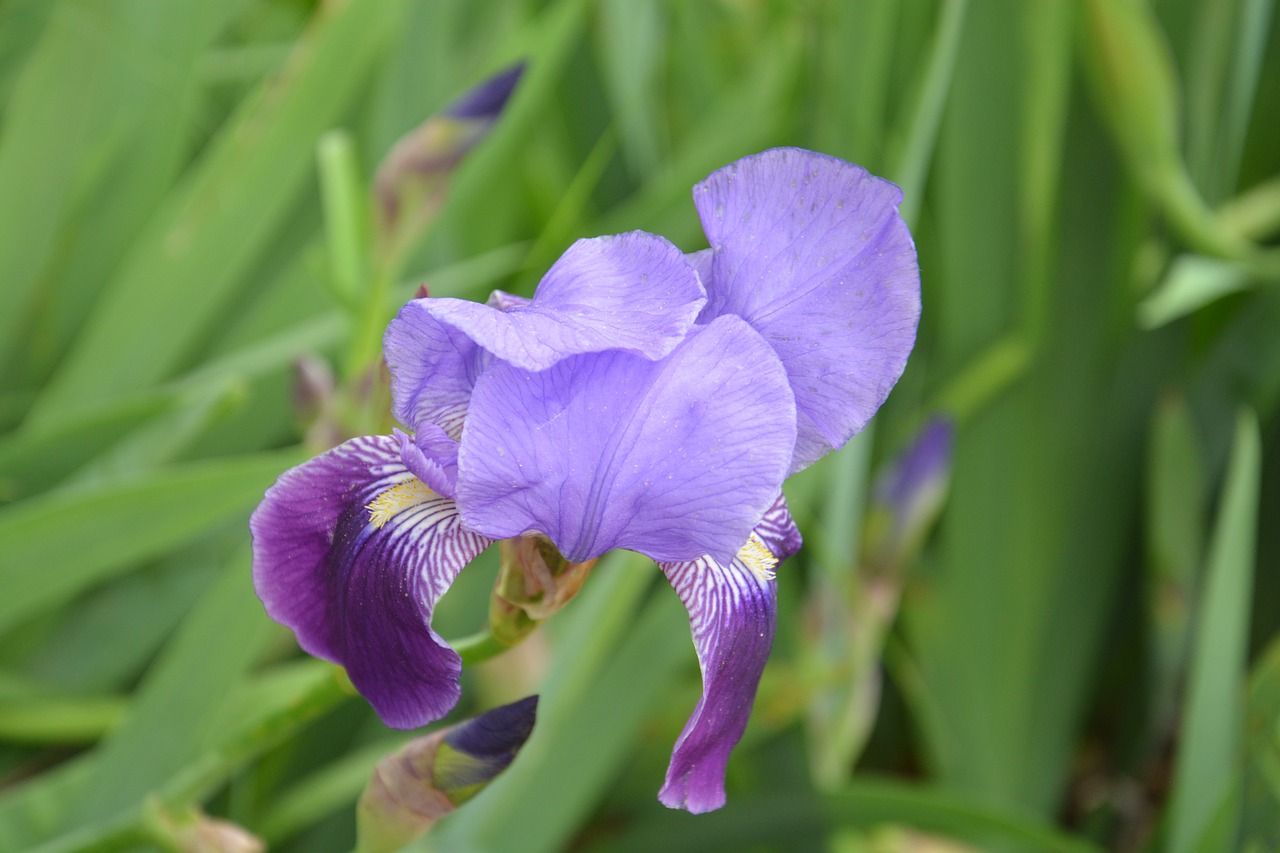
(642, 399)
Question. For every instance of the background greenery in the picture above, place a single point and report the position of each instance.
(1081, 653)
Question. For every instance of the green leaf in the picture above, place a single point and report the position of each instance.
(201, 243)
(70, 135)
(868, 803)
(1261, 817)
(62, 543)
(1193, 281)
(184, 692)
(1211, 738)
(1176, 501)
(35, 459)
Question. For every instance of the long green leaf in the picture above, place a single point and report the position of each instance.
(1211, 737)
(60, 544)
(191, 260)
(70, 135)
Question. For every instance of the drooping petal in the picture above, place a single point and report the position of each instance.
(352, 552)
(433, 369)
(633, 292)
(732, 611)
(811, 251)
(675, 458)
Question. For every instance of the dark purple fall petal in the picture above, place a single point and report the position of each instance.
(633, 292)
(732, 612)
(361, 595)
(810, 250)
(674, 458)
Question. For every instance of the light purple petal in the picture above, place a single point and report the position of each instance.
(732, 612)
(633, 292)
(504, 301)
(433, 368)
(432, 457)
(361, 595)
(811, 251)
(675, 459)
(702, 263)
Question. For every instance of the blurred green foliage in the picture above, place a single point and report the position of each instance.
(1083, 654)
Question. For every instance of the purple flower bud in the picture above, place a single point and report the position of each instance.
(911, 491)
(486, 100)
(410, 183)
(431, 776)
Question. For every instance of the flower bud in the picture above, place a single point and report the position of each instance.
(192, 831)
(432, 775)
(908, 496)
(410, 184)
(535, 581)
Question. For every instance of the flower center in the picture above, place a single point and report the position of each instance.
(396, 500)
(757, 557)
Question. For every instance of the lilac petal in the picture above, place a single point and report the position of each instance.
(433, 368)
(702, 262)
(811, 251)
(633, 292)
(358, 594)
(676, 458)
(432, 457)
(732, 611)
(504, 301)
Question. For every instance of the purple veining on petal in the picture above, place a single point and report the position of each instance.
(633, 292)
(676, 458)
(732, 613)
(358, 594)
(812, 252)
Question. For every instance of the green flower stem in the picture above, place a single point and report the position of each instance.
(344, 196)
(1255, 213)
(370, 321)
(983, 378)
(478, 647)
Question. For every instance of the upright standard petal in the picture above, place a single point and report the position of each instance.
(674, 458)
(732, 611)
(352, 551)
(433, 369)
(810, 250)
(633, 292)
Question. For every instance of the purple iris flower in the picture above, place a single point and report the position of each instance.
(642, 399)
